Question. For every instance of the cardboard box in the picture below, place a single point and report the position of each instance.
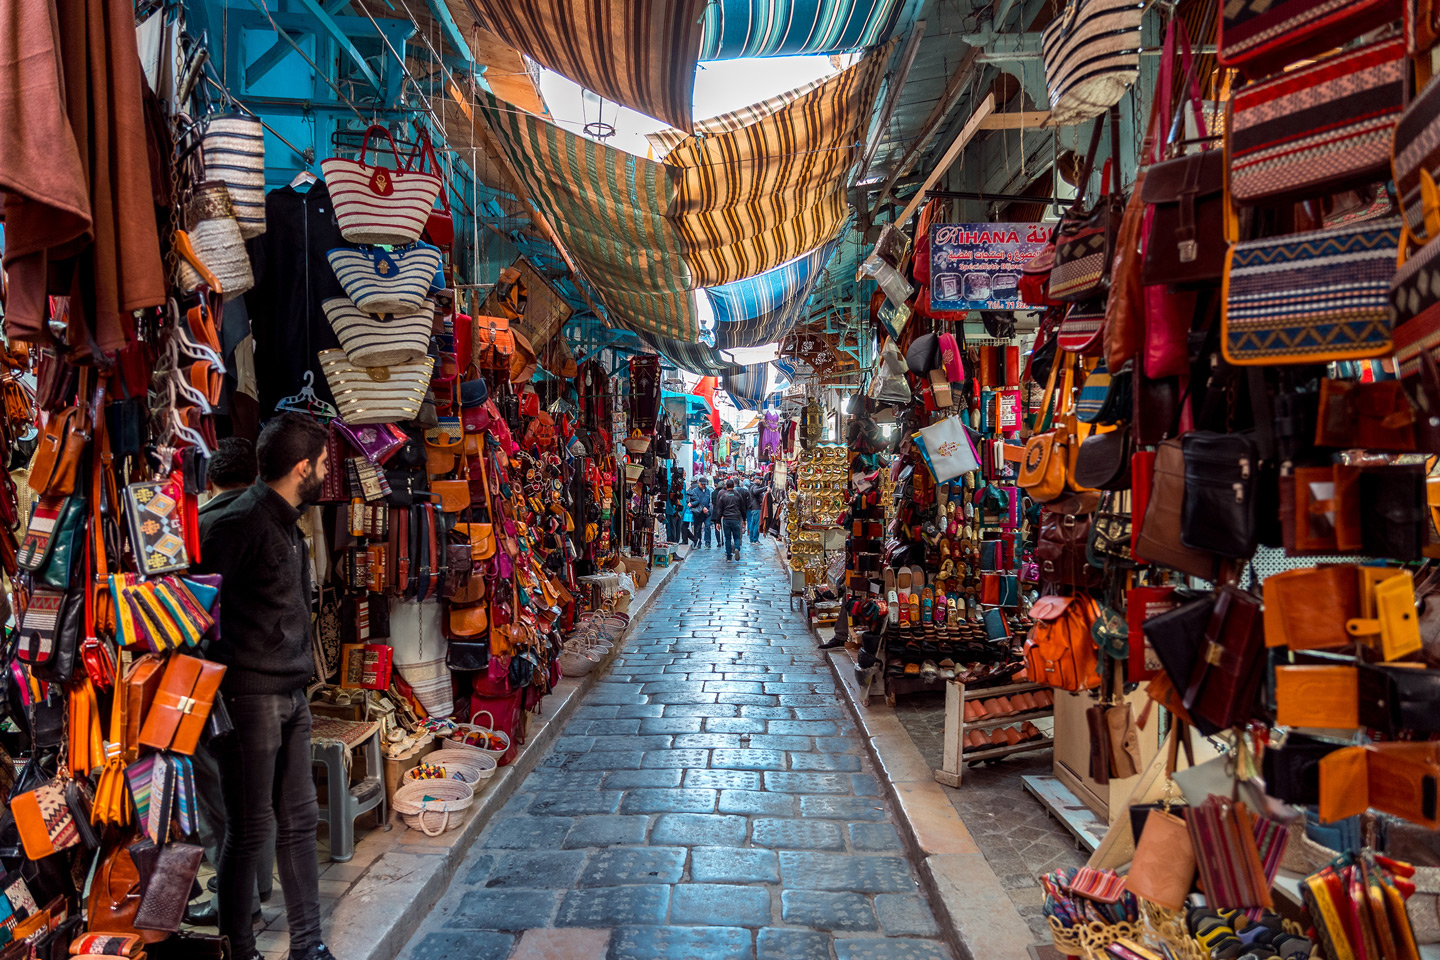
(636, 568)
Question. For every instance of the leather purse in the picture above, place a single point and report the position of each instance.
(469, 621)
(1225, 687)
(1401, 779)
(1340, 137)
(467, 657)
(162, 906)
(1060, 551)
(1319, 696)
(1163, 869)
(1292, 768)
(56, 461)
(1324, 510)
(1186, 197)
(1222, 471)
(45, 820)
(1103, 461)
(182, 704)
(49, 633)
(1226, 839)
(1110, 531)
(454, 495)
(1160, 541)
(1396, 699)
(142, 682)
(1394, 512)
(1307, 609)
(481, 537)
(1375, 416)
(115, 892)
(1388, 621)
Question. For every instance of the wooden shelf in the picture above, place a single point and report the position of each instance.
(982, 693)
(975, 756)
(953, 752)
(1012, 719)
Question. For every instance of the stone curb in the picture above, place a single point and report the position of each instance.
(376, 917)
(977, 916)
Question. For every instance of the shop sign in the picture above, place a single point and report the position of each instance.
(976, 266)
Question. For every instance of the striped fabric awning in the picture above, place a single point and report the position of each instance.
(762, 294)
(749, 387)
(751, 195)
(771, 28)
(609, 208)
(772, 325)
(694, 357)
(640, 53)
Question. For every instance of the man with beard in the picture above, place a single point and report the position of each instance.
(257, 547)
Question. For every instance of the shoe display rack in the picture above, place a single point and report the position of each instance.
(955, 752)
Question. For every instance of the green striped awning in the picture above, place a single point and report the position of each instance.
(772, 28)
(640, 53)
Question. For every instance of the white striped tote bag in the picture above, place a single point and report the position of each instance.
(387, 394)
(233, 149)
(379, 204)
(375, 341)
(381, 281)
(1092, 56)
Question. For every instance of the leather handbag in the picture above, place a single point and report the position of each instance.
(1388, 622)
(1221, 476)
(1292, 768)
(1186, 198)
(45, 819)
(1110, 531)
(162, 906)
(1375, 416)
(1258, 38)
(56, 461)
(1085, 239)
(1308, 608)
(115, 892)
(469, 621)
(1396, 700)
(467, 657)
(142, 682)
(50, 633)
(1060, 551)
(1317, 128)
(182, 704)
(1271, 314)
(1224, 690)
(1163, 869)
(1324, 510)
(1103, 462)
(1059, 650)
(1416, 166)
(1320, 696)
(1160, 541)
(1401, 779)
(1092, 56)
(1394, 515)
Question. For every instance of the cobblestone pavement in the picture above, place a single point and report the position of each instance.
(710, 799)
(1019, 839)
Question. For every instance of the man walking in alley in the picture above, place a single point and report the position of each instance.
(257, 547)
(698, 500)
(756, 489)
(730, 509)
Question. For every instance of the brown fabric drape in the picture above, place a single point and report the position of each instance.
(75, 169)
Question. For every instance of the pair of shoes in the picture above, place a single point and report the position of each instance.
(832, 643)
(317, 952)
(207, 914)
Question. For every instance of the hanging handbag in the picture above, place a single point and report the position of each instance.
(375, 341)
(216, 239)
(45, 820)
(1160, 539)
(154, 515)
(1318, 128)
(182, 704)
(1416, 167)
(1060, 551)
(1394, 515)
(1060, 650)
(1273, 312)
(49, 633)
(1110, 530)
(440, 224)
(1092, 56)
(383, 281)
(56, 461)
(1224, 690)
(1261, 38)
(1103, 462)
(388, 394)
(1186, 197)
(233, 149)
(949, 451)
(1083, 324)
(1085, 239)
(378, 204)
(1222, 471)
(1373, 416)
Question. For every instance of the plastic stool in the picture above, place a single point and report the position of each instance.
(345, 803)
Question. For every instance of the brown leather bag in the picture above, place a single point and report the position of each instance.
(58, 452)
(1322, 696)
(141, 683)
(1376, 416)
(1159, 540)
(1307, 609)
(115, 892)
(1124, 328)
(1060, 551)
(1163, 870)
(1401, 779)
(182, 704)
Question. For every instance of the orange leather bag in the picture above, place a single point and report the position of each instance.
(1060, 650)
(58, 453)
(182, 704)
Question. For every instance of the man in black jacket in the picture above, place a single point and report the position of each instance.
(730, 511)
(257, 547)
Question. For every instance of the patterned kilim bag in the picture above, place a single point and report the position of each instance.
(1311, 297)
(1262, 36)
(1085, 239)
(1416, 163)
(1317, 128)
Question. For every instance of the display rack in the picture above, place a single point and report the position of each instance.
(954, 754)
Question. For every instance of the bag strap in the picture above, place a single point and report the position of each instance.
(1113, 164)
(1041, 423)
(1089, 165)
(394, 150)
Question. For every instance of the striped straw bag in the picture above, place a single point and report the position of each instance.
(381, 281)
(379, 204)
(376, 341)
(233, 148)
(1092, 56)
(376, 394)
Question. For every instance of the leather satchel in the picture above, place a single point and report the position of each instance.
(1160, 535)
(1221, 476)
(1186, 197)
(465, 657)
(1061, 550)
(182, 704)
(1163, 870)
(56, 461)
(1375, 416)
(1395, 699)
(115, 892)
(1103, 462)
(1225, 688)
(162, 906)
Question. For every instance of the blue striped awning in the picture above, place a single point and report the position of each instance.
(763, 293)
(694, 357)
(772, 325)
(779, 28)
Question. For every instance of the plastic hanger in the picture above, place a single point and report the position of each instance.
(306, 402)
(303, 179)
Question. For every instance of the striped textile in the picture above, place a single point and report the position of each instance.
(765, 292)
(386, 281)
(665, 140)
(694, 357)
(778, 28)
(609, 208)
(748, 387)
(372, 341)
(640, 53)
(375, 204)
(233, 149)
(750, 198)
(771, 326)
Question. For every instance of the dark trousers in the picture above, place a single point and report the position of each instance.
(266, 779)
(733, 531)
(700, 524)
(672, 527)
(210, 804)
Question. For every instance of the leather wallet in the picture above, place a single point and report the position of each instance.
(162, 905)
(1375, 416)
(1388, 620)
(1163, 870)
(182, 704)
(1394, 512)
(1325, 697)
(1398, 698)
(1292, 769)
(1225, 687)
(1307, 609)
(141, 683)
(1401, 779)
(1327, 509)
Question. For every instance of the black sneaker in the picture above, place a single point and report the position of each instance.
(317, 952)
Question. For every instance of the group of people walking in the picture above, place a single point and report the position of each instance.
(731, 511)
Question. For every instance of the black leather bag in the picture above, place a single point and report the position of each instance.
(1292, 771)
(1396, 699)
(1221, 476)
(68, 627)
(467, 657)
(1103, 462)
(1178, 639)
(1393, 512)
(1295, 415)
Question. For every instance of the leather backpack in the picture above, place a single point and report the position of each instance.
(1060, 551)
(1060, 650)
